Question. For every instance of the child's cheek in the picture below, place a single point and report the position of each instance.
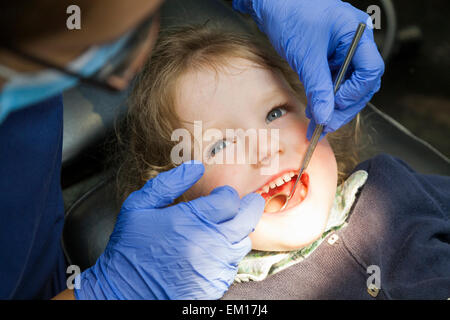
(216, 176)
(294, 131)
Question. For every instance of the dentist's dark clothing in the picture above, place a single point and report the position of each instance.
(400, 222)
(32, 263)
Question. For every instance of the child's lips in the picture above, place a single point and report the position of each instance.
(274, 203)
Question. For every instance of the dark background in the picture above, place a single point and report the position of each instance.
(416, 85)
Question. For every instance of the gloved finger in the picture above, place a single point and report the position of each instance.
(319, 91)
(368, 68)
(228, 257)
(339, 119)
(165, 187)
(342, 117)
(310, 130)
(239, 251)
(250, 211)
(220, 205)
(308, 113)
(312, 127)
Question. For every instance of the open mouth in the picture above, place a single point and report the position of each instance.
(276, 191)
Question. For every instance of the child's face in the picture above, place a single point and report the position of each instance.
(244, 97)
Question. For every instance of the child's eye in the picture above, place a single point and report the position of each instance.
(217, 147)
(275, 113)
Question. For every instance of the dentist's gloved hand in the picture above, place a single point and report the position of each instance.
(314, 37)
(186, 251)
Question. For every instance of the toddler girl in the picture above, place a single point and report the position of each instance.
(377, 230)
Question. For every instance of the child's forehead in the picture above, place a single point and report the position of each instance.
(208, 94)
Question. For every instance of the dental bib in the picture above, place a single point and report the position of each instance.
(257, 265)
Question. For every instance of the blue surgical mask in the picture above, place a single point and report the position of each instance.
(25, 89)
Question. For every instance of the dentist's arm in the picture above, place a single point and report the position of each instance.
(314, 36)
(186, 251)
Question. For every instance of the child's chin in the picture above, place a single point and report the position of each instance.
(284, 234)
(297, 244)
(282, 242)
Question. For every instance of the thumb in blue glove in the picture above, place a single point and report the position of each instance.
(314, 37)
(186, 251)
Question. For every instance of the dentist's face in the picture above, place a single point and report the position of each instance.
(245, 96)
(44, 33)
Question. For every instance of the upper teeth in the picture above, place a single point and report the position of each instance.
(278, 182)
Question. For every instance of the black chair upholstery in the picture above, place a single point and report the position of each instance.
(90, 221)
(385, 135)
(89, 116)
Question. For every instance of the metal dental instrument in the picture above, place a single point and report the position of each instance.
(319, 128)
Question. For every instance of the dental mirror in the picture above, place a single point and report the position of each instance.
(279, 201)
(276, 203)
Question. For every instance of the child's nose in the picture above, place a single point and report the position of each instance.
(269, 148)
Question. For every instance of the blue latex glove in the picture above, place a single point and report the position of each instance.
(314, 36)
(186, 251)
